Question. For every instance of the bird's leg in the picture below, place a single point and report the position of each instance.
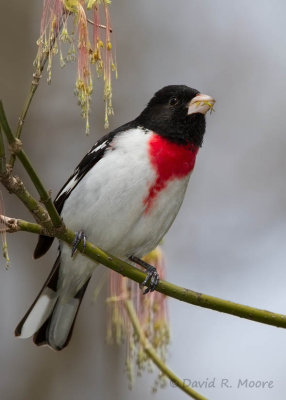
(152, 274)
(80, 236)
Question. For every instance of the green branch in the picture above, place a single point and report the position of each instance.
(2, 154)
(17, 150)
(29, 98)
(14, 185)
(151, 353)
(164, 287)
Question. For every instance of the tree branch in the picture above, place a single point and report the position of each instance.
(16, 145)
(167, 288)
(15, 225)
(14, 185)
(150, 351)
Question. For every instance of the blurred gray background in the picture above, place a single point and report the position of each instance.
(229, 238)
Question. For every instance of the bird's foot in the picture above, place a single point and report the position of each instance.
(80, 236)
(152, 277)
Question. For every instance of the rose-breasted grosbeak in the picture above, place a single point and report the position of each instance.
(124, 195)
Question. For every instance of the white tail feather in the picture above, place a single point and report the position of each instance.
(39, 313)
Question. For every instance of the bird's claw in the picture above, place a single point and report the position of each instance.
(152, 275)
(80, 236)
(153, 279)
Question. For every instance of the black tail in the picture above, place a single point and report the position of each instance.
(50, 319)
(43, 245)
(57, 330)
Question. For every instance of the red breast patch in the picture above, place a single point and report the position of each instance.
(170, 161)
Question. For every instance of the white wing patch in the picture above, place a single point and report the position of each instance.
(69, 186)
(98, 147)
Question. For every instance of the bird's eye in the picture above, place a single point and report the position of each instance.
(173, 101)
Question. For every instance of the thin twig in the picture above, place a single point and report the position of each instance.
(167, 288)
(34, 85)
(150, 351)
(2, 154)
(99, 25)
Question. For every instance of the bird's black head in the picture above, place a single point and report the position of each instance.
(177, 112)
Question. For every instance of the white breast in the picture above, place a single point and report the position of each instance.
(152, 226)
(108, 201)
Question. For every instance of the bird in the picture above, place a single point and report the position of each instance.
(124, 195)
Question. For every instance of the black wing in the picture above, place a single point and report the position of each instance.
(90, 159)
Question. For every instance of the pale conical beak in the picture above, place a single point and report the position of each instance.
(201, 103)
